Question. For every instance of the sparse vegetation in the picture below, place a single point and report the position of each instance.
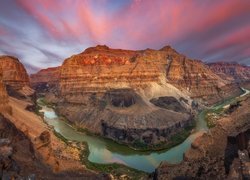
(43, 101)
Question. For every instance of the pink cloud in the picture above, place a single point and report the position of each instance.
(2, 31)
(200, 29)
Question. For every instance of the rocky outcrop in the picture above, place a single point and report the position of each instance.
(123, 115)
(19, 160)
(231, 71)
(101, 68)
(45, 79)
(222, 153)
(16, 79)
(14, 74)
(169, 103)
(195, 77)
(3, 93)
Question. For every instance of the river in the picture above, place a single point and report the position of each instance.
(106, 151)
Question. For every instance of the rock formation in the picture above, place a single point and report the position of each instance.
(108, 91)
(193, 76)
(120, 93)
(15, 78)
(100, 68)
(231, 71)
(14, 73)
(3, 93)
(19, 160)
(222, 153)
(45, 79)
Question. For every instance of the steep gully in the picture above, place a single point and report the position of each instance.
(106, 151)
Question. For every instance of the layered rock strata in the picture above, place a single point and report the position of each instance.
(3, 94)
(140, 83)
(108, 91)
(222, 153)
(45, 79)
(231, 71)
(18, 158)
(16, 79)
(14, 73)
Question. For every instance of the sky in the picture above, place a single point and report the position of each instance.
(42, 33)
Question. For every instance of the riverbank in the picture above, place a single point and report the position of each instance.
(214, 155)
(214, 113)
(119, 153)
(174, 140)
(103, 151)
(48, 149)
(115, 170)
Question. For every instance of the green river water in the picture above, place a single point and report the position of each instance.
(106, 151)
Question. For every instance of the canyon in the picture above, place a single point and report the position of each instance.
(139, 98)
(221, 153)
(119, 93)
(28, 147)
(45, 79)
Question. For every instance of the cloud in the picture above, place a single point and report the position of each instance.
(43, 32)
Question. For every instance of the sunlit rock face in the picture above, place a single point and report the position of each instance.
(125, 94)
(3, 93)
(108, 91)
(45, 79)
(100, 68)
(231, 71)
(194, 76)
(14, 73)
(16, 79)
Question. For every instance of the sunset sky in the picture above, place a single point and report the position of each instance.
(42, 33)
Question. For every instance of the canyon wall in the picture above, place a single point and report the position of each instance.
(101, 68)
(221, 153)
(231, 71)
(195, 77)
(16, 79)
(108, 91)
(116, 93)
(14, 73)
(3, 93)
(45, 79)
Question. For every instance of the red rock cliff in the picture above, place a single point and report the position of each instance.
(101, 68)
(14, 73)
(194, 76)
(231, 71)
(3, 93)
(49, 75)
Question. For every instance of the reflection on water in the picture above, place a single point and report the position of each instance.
(107, 151)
